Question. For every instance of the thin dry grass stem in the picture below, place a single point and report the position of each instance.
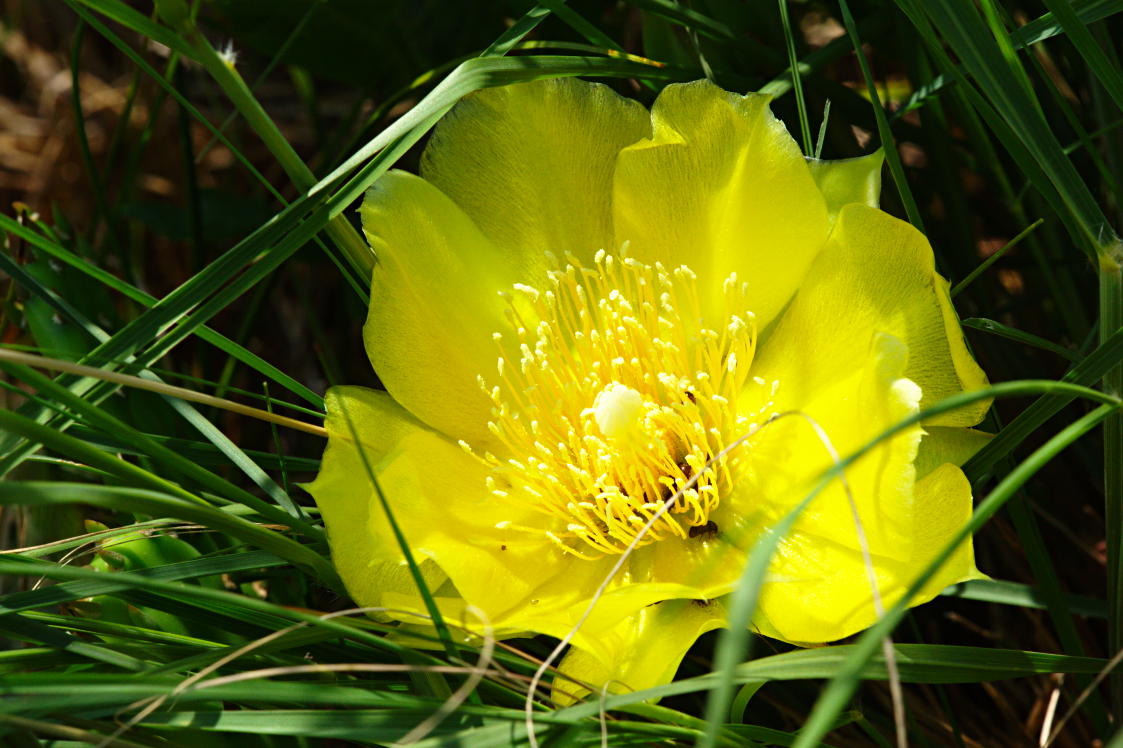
(887, 643)
(1050, 712)
(91, 536)
(161, 388)
(94, 545)
(453, 702)
(1114, 663)
(66, 732)
(334, 667)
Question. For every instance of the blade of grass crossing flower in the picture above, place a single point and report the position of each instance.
(797, 79)
(407, 552)
(758, 564)
(888, 144)
(844, 682)
(919, 663)
(733, 645)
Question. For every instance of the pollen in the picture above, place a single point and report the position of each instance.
(613, 400)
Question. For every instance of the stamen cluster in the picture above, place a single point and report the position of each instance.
(620, 395)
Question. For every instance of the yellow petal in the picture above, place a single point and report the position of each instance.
(434, 304)
(642, 651)
(532, 163)
(876, 275)
(948, 444)
(721, 186)
(851, 180)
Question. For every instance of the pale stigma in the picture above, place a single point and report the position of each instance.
(619, 411)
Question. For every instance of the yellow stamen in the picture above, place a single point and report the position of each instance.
(620, 395)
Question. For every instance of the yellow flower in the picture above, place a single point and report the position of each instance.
(580, 306)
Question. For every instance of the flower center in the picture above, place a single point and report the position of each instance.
(622, 398)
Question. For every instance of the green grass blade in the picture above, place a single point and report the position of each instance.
(1020, 336)
(797, 79)
(985, 264)
(1023, 596)
(1087, 372)
(162, 504)
(1078, 33)
(23, 628)
(65, 592)
(224, 344)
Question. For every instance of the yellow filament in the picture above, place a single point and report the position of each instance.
(619, 395)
